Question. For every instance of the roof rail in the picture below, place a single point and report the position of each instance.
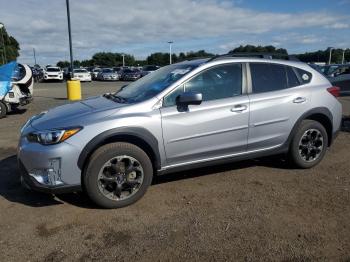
(256, 55)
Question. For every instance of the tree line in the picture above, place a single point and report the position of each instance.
(109, 59)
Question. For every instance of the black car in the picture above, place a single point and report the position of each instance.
(341, 77)
(131, 74)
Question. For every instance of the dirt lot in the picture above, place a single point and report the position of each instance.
(252, 210)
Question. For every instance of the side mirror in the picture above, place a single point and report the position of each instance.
(189, 98)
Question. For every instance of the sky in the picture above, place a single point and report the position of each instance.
(143, 27)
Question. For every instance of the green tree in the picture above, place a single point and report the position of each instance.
(9, 47)
(63, 64)
(160, 59)
(259, 49)
(112, 59)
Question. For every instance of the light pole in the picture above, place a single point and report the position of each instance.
(34, 56)
(123, 60)
(70, 40)
(330, 55)
(4, 59)
(170, 58)
(343, 57)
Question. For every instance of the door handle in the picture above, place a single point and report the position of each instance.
(299, 100)
(239, 108)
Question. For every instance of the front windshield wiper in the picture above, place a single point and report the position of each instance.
(115, 98)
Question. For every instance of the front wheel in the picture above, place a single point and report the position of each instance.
(308, 145)
(3, 109)
(118, 175)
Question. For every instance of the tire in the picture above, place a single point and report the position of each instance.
(3, 109)
(301, 145)
(96, 187)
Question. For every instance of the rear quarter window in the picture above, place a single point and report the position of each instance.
(304, 76)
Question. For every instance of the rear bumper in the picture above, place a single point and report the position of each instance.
(29, 182)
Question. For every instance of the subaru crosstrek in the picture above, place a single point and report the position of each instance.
(182, 116)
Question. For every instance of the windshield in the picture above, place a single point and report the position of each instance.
(107, 70)
(80, 71)
(152, 84)
(51, 69)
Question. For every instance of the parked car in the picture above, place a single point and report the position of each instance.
(341, 77)
(95, 73)
(130, 75)
(149, 69)
(53, 73)
(191, 114)
(329, 70)
(107, 74)
(82, 75)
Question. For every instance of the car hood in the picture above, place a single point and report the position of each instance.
(76, 114)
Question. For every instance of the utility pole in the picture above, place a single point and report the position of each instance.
(330, 55)
(123, 60)
(34, 56)
(4, 59)
(70, 41)
(343, 57)
(170, 58)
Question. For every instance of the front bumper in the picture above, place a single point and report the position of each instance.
(83, 78)
(110, 78)
(29, 182)
(51, 169)
(131, 78)
(53, 77)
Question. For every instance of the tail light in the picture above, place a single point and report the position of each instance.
(334, 91)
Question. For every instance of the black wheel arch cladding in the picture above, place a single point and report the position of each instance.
(134, 135)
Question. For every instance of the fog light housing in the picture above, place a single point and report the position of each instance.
(50, 176)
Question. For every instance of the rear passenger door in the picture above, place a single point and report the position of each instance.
(279, 95)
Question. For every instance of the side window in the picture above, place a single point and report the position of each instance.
(219, 82)
(268, 77)
(293, 80)
(304, 76)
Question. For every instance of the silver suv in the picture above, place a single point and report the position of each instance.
(182, 116)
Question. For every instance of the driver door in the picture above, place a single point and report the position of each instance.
(216, 128)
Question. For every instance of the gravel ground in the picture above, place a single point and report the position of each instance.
(250, 210)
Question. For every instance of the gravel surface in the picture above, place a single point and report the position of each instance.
(250, 210)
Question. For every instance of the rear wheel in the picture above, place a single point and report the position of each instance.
(118, 175)
(3, 109)
(308, 145)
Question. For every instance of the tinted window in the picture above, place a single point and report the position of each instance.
(268, 77)
(292, 77)
(215, 83)
(304, 76)
(52, 69)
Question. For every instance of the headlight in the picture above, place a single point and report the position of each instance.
(50, 137)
